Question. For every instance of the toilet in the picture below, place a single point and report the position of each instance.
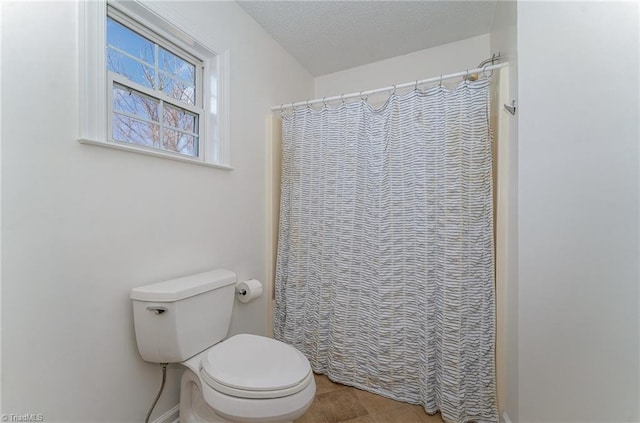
(244, 378)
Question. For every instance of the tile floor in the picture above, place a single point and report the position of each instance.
(335, 403)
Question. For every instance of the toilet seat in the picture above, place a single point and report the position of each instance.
(255, 367)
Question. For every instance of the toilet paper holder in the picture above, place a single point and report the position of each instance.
(249, 290)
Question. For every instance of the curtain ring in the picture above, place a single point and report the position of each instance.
(361, 97)
(324, 102)
(308, 106)
(416, 87)
(281, 109)
(394, 90)
(342, 98)
(440, 81)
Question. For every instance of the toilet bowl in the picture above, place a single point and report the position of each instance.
(229, 382)
(243, 378)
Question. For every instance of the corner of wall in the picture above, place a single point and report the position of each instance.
(503, 39)
(438, 60)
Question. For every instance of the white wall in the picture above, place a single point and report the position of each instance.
(448, 58)
(578, 212)
(504, 40)
(0, 213)
(82, 225)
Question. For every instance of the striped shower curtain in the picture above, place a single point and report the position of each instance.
(385, 275)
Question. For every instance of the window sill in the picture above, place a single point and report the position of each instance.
(133, 149)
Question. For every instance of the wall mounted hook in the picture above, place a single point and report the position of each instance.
(511, 108)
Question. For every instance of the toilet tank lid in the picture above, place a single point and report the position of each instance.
(184, 287)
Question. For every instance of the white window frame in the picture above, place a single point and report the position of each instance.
(96, 82)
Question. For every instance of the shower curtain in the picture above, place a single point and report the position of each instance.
(385, 275)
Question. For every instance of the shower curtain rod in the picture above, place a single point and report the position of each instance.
(391, 88)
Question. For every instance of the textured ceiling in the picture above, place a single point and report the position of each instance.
(329, 36)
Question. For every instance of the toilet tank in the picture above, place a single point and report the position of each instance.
(178, 318)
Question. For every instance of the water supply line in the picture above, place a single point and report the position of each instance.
(164, 379)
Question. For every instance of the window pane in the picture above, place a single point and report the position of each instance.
(177, 89)
(132, 102)
(146, 118)
(126, 40)
(180, 119)
(135, 131)
(176, 67)
(180, 143)
(131, 69)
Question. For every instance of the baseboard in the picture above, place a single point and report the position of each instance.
(169, 416)
(505, 417)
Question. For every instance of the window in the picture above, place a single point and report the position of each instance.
(156, 98)
(163, 93)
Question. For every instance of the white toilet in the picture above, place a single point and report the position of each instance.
(245, 378)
